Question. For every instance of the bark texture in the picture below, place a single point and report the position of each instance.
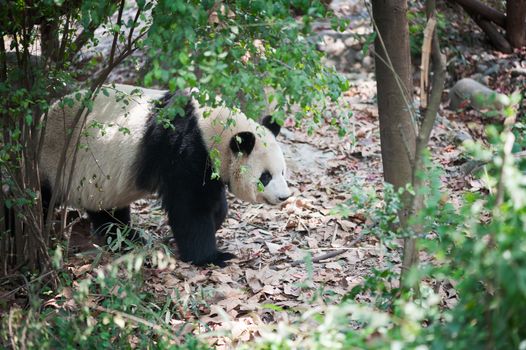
(393, 76)
(516, 22)
(487, 12)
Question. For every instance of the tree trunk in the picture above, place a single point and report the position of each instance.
(394, 89)
(393, 76)
(49, 40)
(516, 22)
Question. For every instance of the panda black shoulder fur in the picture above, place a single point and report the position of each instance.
(125, 155)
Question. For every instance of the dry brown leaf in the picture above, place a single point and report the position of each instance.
(79, 271)
(253, 280)
(273, 248)
(291, 289)
(271, 290)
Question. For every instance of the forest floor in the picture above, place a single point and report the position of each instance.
(270, 277)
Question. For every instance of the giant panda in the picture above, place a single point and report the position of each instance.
(123, 153)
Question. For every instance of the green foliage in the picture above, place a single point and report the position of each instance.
(107, 310)
(236, 50)
(487, 259)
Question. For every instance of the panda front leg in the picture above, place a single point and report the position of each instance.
(195, 236)
(221, 210)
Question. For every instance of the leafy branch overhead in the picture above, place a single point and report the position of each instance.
(237, 50)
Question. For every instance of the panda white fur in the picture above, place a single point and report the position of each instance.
(125, 154)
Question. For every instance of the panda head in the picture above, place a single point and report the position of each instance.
(256, 170)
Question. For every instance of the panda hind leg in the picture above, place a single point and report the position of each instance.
(46, 193)
(107, 222)
(219, 218)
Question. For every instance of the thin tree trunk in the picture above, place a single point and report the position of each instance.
(394, 87)
(393, 76)
(49, 40)
(516, 22)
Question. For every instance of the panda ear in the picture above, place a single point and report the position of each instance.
(271, 125)
(243, 142)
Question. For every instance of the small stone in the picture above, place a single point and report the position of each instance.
(461, 136)
(481, 68)
(492, 70)
(367, 62)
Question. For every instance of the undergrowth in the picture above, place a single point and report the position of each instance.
(110, 308)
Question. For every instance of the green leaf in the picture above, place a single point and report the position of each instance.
(368, 42)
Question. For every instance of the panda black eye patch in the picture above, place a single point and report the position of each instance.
(265, 178)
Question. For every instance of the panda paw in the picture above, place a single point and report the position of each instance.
(219, 259)
(223, 257)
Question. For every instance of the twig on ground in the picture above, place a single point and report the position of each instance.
(334, 232)
(134, 319)
(329, 255)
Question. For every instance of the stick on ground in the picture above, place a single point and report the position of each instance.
(332, 254)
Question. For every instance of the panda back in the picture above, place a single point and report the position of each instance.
(103, 175)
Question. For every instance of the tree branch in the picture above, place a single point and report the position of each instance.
(65, 39)
(117, 33)
(437, 87)
(426, 53)
(77, 121)
(130, 35)
(87, 33)
(497, 39)
(3, 60)
(489, 13)
(410, 255)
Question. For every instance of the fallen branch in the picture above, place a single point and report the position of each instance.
(136, 320)
(487, 12)
(330, 255)
(497, 39)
